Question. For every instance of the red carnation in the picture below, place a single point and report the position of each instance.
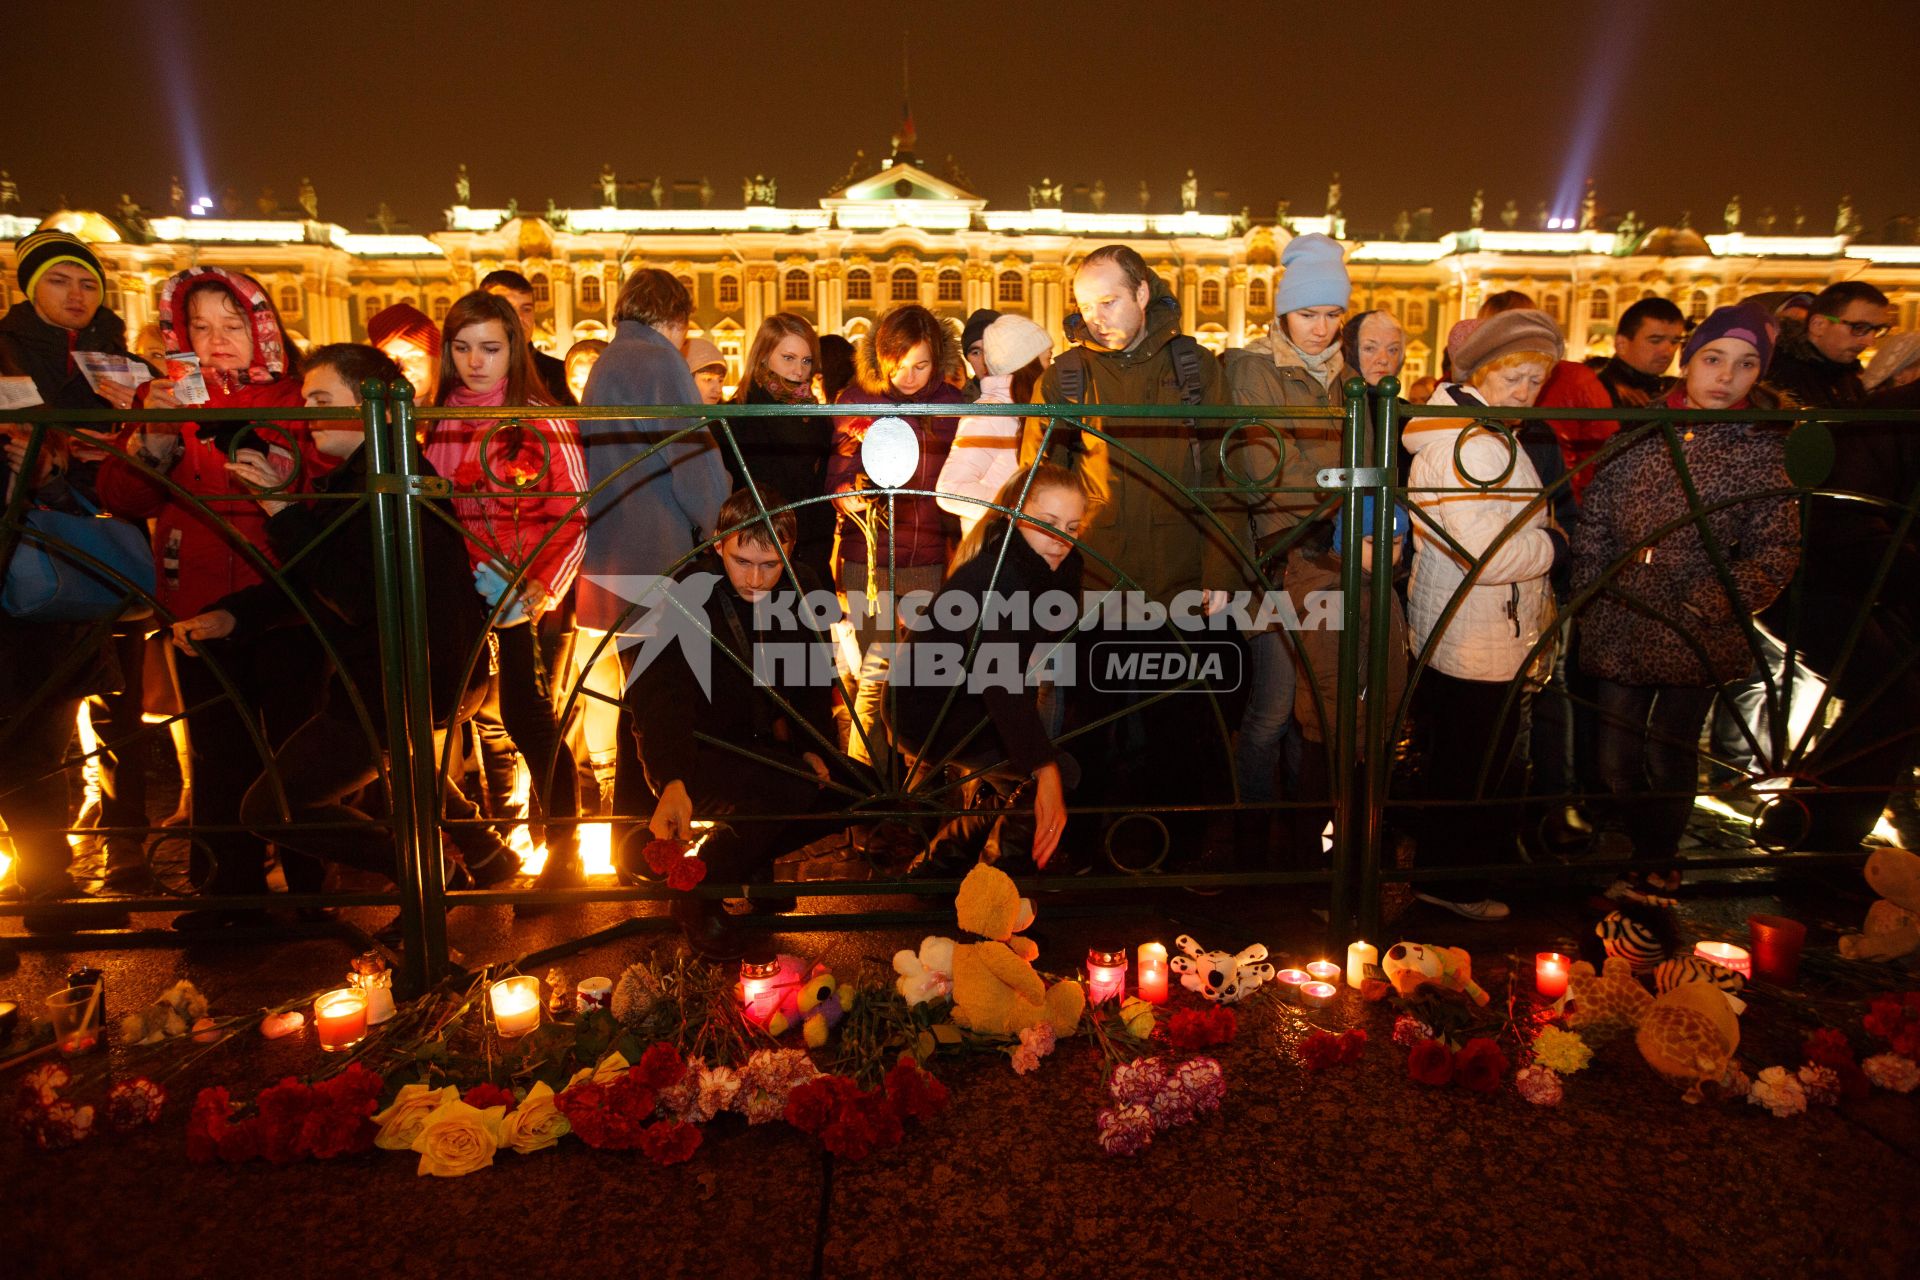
(670, 1141)
(1480, 1066)
(1828, 1047)
(1430, 1062)
(488, 1094)
(914, 1093)
(686, 873)
(1192, 1030)
(1353, 1042)
(1896, 1019)
(1320, 1050)
(241, 1142)
(328, 1132)
(205, 1125)
(283, 1118)
(811, 1106)
(661, 855)
(1374, 990)
(661, 1066)
(356, 1089)
(863, 1123)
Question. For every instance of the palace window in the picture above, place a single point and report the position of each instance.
(542, 291)
(1601, 306)
(729, 291)
(796, 287)
(1417, 315)
(686, 282)
(370, 305)
(1257, 299)
(1012, 287)
(590, 289)
(950, 287)
(859, 285)
(906, 284)
(1697, 305)
(441, 306)
(1556, 309)
(1209, 295)
(289, 299)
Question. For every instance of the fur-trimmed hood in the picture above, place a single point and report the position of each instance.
(949, 364)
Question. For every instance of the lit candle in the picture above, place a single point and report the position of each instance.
(1359, 956)
(592, 993)
(1106, 975)
(1727, 956)
(1150, 973)
(1318, 993)
(1324, 971)
(759, 990)
(1293, 978)
(340, 1018)
(516, 1004)
(1550, 974)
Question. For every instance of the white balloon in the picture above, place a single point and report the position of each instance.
(891, 452)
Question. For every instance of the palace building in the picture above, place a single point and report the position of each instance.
(902, 234)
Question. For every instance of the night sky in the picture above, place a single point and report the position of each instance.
(1681, 104)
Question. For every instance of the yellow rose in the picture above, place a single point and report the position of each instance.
(400, 1123)
(536, 1123)
(611, 1068)
(1137, 1015)
(457, 1139)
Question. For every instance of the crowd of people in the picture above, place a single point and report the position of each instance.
(1575, 607)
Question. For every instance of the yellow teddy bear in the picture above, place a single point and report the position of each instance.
(995, 988)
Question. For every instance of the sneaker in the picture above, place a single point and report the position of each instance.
(1484, 909)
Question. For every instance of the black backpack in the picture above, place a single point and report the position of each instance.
(1070, 372)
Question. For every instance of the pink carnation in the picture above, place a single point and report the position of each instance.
(1409, 1030)
(1125, 1131)
(1135, 1083)
(1779, 1092)
(1203, 1081)
(1539, 1085)
(1025, 1060)
(1892, 1071)
(1039, 1038)
(1820, 1084)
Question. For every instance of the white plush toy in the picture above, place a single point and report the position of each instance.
(927, 974)
(1218, 976)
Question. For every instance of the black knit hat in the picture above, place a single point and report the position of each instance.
(43, 249)
(976, 327)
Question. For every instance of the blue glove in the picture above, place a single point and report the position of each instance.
(1402, 523)
(491, 586)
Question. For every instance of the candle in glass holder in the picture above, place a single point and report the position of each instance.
(1359, 956)
(1726, 955)
(1150, 972)
(1324, 971)
(1106, 975)
(759, 990)
(1318, 994)
(516, 1004)
(340, 1018)
(1550, 970)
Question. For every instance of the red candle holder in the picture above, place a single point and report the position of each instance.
(1550, 970)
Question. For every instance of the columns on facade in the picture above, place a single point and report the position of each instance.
(829, 296)
(757, 284)
(1189, 297)
(978, 286)
(561, 275)
(1046, 301)
(1580, 299)
(1237, 307)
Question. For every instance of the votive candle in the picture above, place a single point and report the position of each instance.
(1359, 956)
(516, 1004)
(1324, 971)
(1150, 972)
(340, 1019)
(1293, 977)
(1550, 970)
(759, 990)
(1727, 956)
(1318, 993)
(1106, 975)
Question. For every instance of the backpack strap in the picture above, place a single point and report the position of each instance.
(1185, 350)
(1070, 374)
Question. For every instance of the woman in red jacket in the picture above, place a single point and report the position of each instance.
(912, 358)
(525, 525)
(208, 551)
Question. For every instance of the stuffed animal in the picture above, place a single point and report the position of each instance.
(1642, 936)
(1218, 976)
(927, 974)
(1601, 1004)
(815, 1006)
(1893, 924)
(995, 988)
(1411, 965)
(173, 1014)
(1684, 969)
(1689, 1035)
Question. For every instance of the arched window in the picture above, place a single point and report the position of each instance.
(590, 289)
(1257, 299)
(1209, 295)
(1697, 305)
(686, 282)
(370, 305)
(906, 285)
(1601, 306)
(441, 306)
(289, 301)
(542, 291)
(729, 291)
(1555, 308)
(796, 287)
(859, 285)
(1012, 287)
(950, 287)
(1417, 315)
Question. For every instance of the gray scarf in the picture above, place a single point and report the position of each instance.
(1324, 367)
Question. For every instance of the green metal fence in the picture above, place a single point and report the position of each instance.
(1371, 799)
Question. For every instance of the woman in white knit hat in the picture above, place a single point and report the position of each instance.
(986, 449)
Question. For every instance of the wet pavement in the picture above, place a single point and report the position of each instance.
(1352, 1171)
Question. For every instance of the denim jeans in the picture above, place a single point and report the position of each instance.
(1269, 739)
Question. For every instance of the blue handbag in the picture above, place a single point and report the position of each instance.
(68, 567)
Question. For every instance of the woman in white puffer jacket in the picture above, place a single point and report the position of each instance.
(1473, 657)
(986, 449)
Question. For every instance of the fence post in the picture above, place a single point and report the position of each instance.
(1383, 449)
(1346, 840)
(414, 798)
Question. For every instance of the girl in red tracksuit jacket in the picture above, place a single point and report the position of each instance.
(228, 321)
(525, 530)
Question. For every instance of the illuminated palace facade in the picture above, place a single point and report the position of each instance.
(904, 235)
